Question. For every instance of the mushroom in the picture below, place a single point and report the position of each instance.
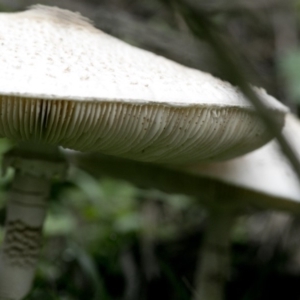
(263, 178)
(265, 170)
(65, 83)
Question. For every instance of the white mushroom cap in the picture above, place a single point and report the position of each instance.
(265, 170)
(64, 82)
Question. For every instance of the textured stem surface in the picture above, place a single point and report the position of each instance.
(26, 209)
(213, 268)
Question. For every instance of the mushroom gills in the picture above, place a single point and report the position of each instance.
(151, 133)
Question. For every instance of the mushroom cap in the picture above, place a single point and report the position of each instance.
(265, 170)
(64, 82)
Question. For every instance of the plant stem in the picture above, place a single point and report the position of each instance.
(213, 267)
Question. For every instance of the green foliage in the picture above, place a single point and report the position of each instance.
(290, 67)
(91, 222)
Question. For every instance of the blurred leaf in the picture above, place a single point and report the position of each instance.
(87, 184)
(179, 201)
(59, 224)
(128, 222)
(290, 66)
(88, 266)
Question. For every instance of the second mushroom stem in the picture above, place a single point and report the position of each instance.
(213, 266)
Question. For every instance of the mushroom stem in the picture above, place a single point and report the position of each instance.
(213, 267)
(34, 166)
(26, 210)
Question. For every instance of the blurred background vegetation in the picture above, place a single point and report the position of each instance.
(106, 239)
